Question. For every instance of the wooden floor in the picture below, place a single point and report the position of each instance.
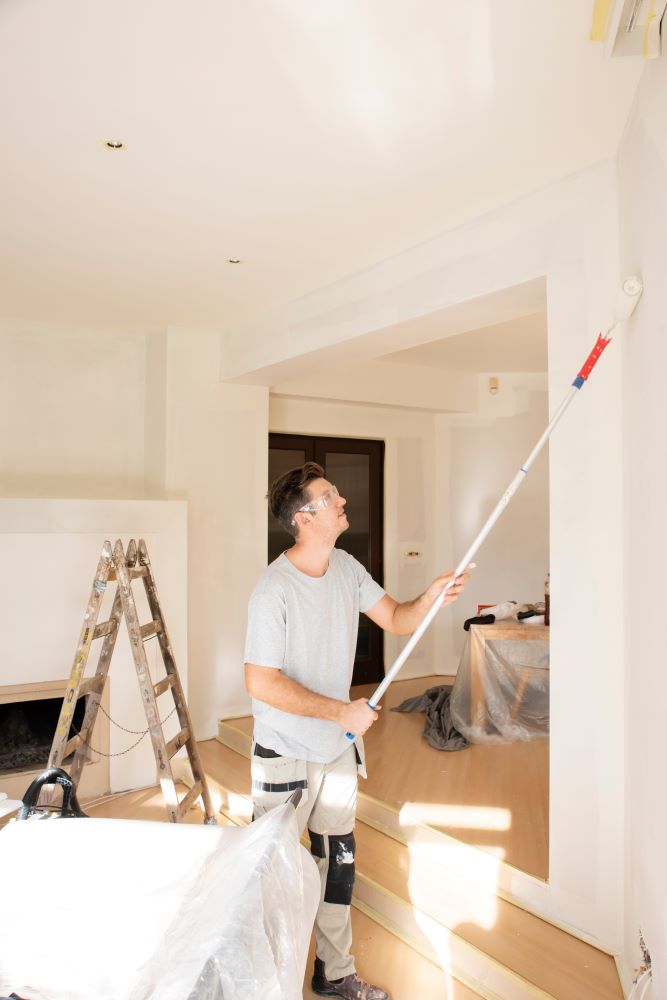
(385, 960)
(493, 797)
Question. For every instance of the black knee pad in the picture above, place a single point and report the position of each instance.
(316, 845)
(340, 876)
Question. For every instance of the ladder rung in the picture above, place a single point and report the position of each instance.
(71, 746)
(91, 684)
(105, 628)
(164, 685)
(179, 740)
(150, 629)
(185, 803)
(134, 572)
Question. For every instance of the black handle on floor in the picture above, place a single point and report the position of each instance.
(70, 807)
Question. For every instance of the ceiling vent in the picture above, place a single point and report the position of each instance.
(628, 27)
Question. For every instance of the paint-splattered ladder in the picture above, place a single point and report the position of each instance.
(124, 567)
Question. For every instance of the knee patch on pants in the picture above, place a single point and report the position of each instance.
(341, 870)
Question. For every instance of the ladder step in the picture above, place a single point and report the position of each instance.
(134, 572)
(179, 740)
(90, 685)
(150, 629)
(71, 746)
(164, 685)
(105, 628)
(186, 803)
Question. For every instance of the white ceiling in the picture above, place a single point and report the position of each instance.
(311, 138)
(517, 345)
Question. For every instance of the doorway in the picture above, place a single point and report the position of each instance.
(356, 466)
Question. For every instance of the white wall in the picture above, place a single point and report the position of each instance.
(485, 453)
(217, 459)
(71, 412)
(643, 218)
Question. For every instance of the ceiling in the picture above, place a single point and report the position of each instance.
(308, 138)
(517, 345)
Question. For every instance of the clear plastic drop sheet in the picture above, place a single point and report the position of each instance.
(132, 910)
(501, 692)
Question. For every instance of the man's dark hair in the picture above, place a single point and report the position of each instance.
(289, 492)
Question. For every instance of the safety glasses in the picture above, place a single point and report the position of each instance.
(328, 499)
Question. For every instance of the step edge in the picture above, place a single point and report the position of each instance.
(505, 866)
(454, 971)
(529, 987)
(501, 892)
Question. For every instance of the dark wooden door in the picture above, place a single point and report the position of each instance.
(357, 468)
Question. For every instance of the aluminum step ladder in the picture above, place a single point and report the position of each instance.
(116, 565)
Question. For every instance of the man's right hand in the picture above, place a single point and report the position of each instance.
(357, 717)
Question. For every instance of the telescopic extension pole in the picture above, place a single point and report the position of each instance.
(625, 304)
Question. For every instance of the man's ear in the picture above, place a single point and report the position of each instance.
(301, 518)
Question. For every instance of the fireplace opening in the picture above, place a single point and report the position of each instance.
(27, 729)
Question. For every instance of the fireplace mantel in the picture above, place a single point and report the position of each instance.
(95, 776)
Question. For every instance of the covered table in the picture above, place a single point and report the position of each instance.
(132, 910)
(501, 691)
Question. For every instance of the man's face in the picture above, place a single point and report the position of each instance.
(327, 509)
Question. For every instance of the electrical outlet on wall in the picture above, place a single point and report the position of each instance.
(411, 552)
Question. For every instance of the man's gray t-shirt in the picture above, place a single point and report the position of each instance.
(307, 627)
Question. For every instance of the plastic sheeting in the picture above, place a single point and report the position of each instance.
(133, 910)
(501, 692)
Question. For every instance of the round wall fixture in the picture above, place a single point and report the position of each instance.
(233, 260)
(114, 144)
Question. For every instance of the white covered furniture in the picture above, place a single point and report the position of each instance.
(132, 910)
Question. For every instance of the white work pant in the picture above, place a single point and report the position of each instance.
(327, 808)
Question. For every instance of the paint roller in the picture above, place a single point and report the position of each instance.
(624, 306)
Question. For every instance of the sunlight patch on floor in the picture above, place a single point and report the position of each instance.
(457, 816)
(238, 805)
(449, 880)
(454, 896)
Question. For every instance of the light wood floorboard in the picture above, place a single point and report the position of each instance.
(496, 785)
(383, 959)
(144, 804)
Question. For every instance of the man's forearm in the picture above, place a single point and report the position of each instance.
(270, 685)
(409, 615)
(276, 689)
(402, 619)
